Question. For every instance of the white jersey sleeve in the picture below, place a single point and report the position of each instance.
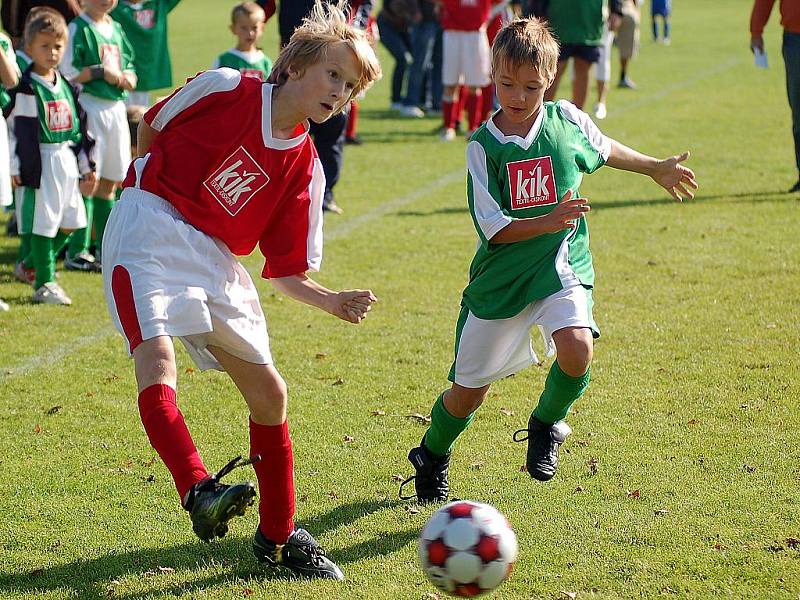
(486, 210)
(67, 69)
(596, 138)
(316, 191)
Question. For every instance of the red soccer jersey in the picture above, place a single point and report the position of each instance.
(464, 15)
(216, 161)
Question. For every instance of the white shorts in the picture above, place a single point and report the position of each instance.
(58, 203)
(164, 277)
(6, 195)
(466, 55)
(136, 98)
(488, 350)
(108, 124)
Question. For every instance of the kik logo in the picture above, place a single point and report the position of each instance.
(254, 73)
(110, 56)
(145, 18)
(236, 181)
(531, 183)
(59, 115)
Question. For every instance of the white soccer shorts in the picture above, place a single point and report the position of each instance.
(58, 203)
(488, 350)
(466, 54)
(162, 276)
(107, 122)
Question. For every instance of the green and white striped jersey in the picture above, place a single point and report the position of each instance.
(92, 43)
(510, 177)
(253, 64)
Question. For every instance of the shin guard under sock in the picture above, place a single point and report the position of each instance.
(275, 473)
(559, 394)
(444, 428)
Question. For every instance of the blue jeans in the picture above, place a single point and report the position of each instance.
(423, 38)
(398, 43)
(791, 58)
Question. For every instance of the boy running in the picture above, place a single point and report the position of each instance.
(226, 164)
(247, 24)
(533, 265)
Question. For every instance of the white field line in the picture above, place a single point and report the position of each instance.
(60, 352)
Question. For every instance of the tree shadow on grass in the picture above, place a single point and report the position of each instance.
(94, 578)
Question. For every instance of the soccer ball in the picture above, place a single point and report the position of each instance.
(467, 549)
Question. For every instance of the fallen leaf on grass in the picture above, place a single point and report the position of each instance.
(397, 477)
(37, 572)
(582, 443)
(579, 488)
(189, 370)
(247, 592)
(476, 465)
(635, 494)
(412, 510)
(775, 548)
(433, 596)
(303, 497)
(54, 410)
(339, 381)
(419, 418)
(592, 464)
(507, 412)
(749, 468)
(692, 422)
(378, 413)
(112, 377)
(793, 543)
(320, 355)
(333, 495)
(349, 438)
(660, 512)
(37, 429)
(165, 569)
(570, 595)
(523, 469)
(719, 546)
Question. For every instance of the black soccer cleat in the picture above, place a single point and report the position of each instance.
(430, 479)
(301, 555)
(543, 442)
(212, 504)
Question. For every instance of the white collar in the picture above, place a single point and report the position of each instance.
(266, 123)
(523, 143)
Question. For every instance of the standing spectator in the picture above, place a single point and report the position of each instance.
(145, 25)
(423, 44)
(663, 9)
(628, 41)
(247, 24)
(394, 23)
(578, 26)
(790, 20)
(603, 73)
(14, 13)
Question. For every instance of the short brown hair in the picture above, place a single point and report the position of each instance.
(327, 25)
(246, 8)
(45, 21)
(526, 42)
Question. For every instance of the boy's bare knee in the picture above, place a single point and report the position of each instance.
(462, 402)
(575, 350)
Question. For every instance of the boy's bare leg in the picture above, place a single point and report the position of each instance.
(104, 195)
(461, 401)
(580, 83)
(574, 350)
(154, 361)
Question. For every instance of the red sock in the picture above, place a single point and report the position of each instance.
(352, 120)
(487, 93)
(275, 473)
(474, 107)
(170, 437)
(448, 114)
(463, 92)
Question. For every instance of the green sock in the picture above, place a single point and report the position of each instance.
(102, 210)
(44, 259)
(60, 242)
(24, 246)
(559, 394)
(81, 237)
(444, 429)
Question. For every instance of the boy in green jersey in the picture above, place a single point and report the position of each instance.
(50, 150)
(247, 24)
(145, 24)
(100, 58)
(533, 265)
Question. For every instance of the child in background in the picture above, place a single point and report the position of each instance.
(190, 205)
(533, 265)
(663, 9)
(9, 76)
(247, 24)
(47, 130)
(101, 58)
(145, 25)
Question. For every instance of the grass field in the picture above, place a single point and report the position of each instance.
(682, 479)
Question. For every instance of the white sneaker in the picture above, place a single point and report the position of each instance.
(396, 106)
(600, 111)
(411, 111)
(666, 41)
(4, 306)
(51, 293)
(448, 135)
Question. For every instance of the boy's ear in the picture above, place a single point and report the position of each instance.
(232, 27)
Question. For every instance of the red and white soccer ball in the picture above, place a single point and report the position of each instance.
(467, 549)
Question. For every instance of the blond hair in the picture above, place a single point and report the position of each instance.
(327, 25)
(526, 42)
(248, 9)
(45, 21)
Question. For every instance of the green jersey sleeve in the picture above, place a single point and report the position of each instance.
(590, 145)
(483, 194)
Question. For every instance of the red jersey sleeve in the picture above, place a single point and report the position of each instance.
(292, 243)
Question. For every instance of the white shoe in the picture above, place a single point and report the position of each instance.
(600, 111)
(396, 106)
(412, 112)
(666, 41)
(51, 293)
(448, 135)
(4, 306)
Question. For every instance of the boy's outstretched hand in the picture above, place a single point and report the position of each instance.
(352, 305)
(566, 214)
(678, 180)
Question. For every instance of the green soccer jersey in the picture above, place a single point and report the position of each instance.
(253, 64)
(93, 44)
(8, 50)
(145, 24)
(55, 106)
(510, 177)
(578, 22)
(23, 60)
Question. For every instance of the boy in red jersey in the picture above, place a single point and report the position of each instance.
(226, 163)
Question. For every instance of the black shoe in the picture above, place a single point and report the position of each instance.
(82, 261)
(212, 504)
(543, 443)
(430, 480)
(301, 554)
(353, 141)
(795, 187)
(626, 83)
(11, 226)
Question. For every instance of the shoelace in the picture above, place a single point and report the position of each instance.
(527, 433)
(212, 481)
(402, 485)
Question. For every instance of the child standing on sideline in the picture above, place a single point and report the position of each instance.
(533, 265)
(100, 57)
(145, 25)
(663, 9)
(47, 129)
(9, 77)
(247, 24)
(190, 204)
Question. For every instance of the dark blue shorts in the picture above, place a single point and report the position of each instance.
(588, 53)
(661, 7)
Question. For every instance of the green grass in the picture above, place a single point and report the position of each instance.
(694, 399)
